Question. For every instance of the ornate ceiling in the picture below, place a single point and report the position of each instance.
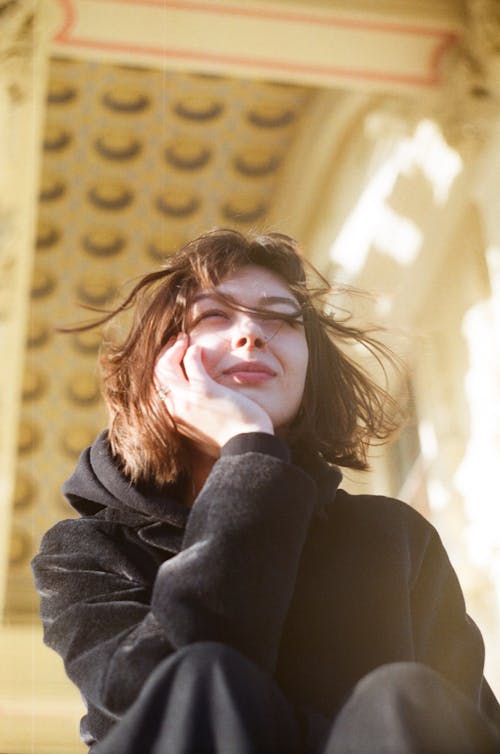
(135, 162)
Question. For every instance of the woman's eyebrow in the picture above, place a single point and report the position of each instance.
(202, 296)
(279, 300)
(262, 300)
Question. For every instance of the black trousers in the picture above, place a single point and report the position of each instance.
(209, 699)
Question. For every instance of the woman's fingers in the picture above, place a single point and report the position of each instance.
(195, 369)
(168, 369)
(201, 408)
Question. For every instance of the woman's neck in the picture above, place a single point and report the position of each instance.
(201, 465)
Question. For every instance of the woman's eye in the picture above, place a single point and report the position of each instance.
(278, 318)
(214, 314)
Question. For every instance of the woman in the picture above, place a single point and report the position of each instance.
(219, 592)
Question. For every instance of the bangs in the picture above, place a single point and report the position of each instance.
(220, 253)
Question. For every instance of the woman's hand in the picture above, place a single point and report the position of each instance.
(206, 412)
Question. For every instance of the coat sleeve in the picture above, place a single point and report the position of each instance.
(231, 582)
(95, 611)
(234, 579)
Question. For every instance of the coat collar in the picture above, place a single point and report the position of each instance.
(151, 500)
(158, 517)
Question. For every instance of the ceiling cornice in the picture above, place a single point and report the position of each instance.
(336, 45)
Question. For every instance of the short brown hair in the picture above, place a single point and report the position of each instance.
(342, 409)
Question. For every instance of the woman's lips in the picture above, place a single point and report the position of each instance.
(250, 372)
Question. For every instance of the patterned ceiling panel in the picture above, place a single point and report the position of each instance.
(135, 162)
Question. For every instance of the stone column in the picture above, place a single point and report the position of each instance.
(23, 52)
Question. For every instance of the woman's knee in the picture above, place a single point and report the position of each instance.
(208, 662)
(407, 706)
(399, 677)
(205, 655)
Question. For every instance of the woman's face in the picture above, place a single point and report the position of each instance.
(265, 359)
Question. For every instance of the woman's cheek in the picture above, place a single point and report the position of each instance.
(212, 350)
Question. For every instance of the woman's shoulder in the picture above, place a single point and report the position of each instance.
(382, 518)
(373, 507)
(79, 534)
(382, 538)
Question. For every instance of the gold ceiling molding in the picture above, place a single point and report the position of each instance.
(56, 138)
(118, 145)
(111, 194)
(75, 438)
(188, 153)
(96, 289)
(34, 383)
(270, 115)
(43, 282)
(165, 244)
(87, 342)
(20, 550)
(47, 234)
(199, 109)
(29, 436)
(24, 490)
(39, 332)
(103, 241)
(243, 208)
(52, 187)
(61, 92)
(256, 161)
(126, 99)
(178, 202)
(83, 389)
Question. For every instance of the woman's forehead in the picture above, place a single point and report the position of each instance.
(251, 285)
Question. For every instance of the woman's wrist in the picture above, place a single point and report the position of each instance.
(256, 442)
(264, 426)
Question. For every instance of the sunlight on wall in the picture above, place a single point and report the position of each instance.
(477, 475)
(437, 492)
(397, 236)
(438, 161)
(428, 440)
(373, 222)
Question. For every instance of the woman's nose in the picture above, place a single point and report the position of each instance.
(248, 333)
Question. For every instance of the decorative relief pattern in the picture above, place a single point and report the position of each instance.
(61, 92)
(52, 187)
(470, 104)
(135, 163)
(17, 21)
(56, 138)
(199, 109)
(125, 99)
(103, 241)
(20, 546)
(47, 235)
(25, 491)
(117, 145)
(34, 383)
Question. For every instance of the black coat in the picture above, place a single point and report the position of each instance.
(315, 585)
